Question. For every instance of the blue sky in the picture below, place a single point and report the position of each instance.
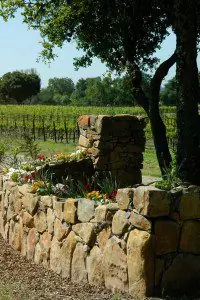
(20, 48)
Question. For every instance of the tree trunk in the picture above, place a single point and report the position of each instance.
(188, 119)
(151, 107)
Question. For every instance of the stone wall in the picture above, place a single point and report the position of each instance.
(148, 243)
(115, 144)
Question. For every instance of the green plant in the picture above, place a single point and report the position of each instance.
(2, 151)
(15, 151)
(106, 183)
(171, 179)
(116, 296)
(29, 146)
(15, 176)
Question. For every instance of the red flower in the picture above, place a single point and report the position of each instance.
(40, 156)
(86, 187)
(112, 195)
(26, 178)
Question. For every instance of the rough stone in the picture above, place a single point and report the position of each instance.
(58, 207)
(103, 237)
(27, 219)
(32, 239)
(24, 243)
(119, 223)
(24, 189)
(50, 220)
(84, 142)
(84, 121)
(30, 202)
(159, 269)
(85, 210)
(190, 206)
(151, 202)
(95, 267)
(67, 253)
(45, 202)
(167, 236)
(55, 256)
(61, 230)
(16, 240)
(140, 259)
(79, 273)
(100, 213)
(45, 245)
(182, 277)
(9, 185)
(40, 221)
(115, 266)
(124, 197)
(140, 221)
(86, 231)
(70, 211)
(190, 237)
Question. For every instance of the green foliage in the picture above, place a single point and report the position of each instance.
(18, 86)
(29, 147)
(171, 181)
(106, 183)
(2, 151)
(15, 177)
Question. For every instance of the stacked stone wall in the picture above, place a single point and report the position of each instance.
(148, 243)
(115, 143)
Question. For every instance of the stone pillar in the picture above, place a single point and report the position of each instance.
(115, 144)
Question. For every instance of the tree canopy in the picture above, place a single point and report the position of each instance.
(19, 86)
(125, 34)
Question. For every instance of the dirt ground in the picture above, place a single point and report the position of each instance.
(23, 280)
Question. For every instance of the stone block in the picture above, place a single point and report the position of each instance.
(86, 231)
(45, 202)
(100, 213)
(151, 202)
(85, 210)
(55, 256)
(115, 266)
(84, 142)
(45, 244)
(50, 220)
(24, 189)
(32, 239)
(84, 121)
(40, 221)
(67, 251)
(140, 259)
(190, 206)
(79, 273)
(58, 207)
(190, 237)
(182, 278)
(119, 223)
(61, 230)
(167, 236)
(140, 221)
(30, 202)
(16, 240)
(95, 268)
(70, 211)
(103, 237)
(124, 197)
(27, 219)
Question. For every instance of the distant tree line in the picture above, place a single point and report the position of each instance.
(25, 87)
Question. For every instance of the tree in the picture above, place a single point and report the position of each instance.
(169, 94)
(58, 91)
(124, 35)
(19, 86)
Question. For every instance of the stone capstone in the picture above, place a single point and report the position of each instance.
(151, 202)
